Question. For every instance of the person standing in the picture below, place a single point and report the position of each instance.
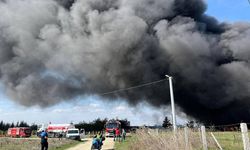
(60, 135)
(123, 135)
(44, 140)
(118, 135)
(114, 133)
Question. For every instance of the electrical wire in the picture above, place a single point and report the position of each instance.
(227, 125)
(133, 87)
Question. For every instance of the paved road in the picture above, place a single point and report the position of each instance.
(108, 144)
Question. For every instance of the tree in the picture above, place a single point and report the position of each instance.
(33, 126)
(12, 125)
(1, 125)
(17, 124)
(166, 123)
(125, 124)
(96, 125)
(23, 124)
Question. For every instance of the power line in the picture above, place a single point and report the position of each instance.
(133, 87)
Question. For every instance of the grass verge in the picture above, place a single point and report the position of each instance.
(66, 146)
(229, 140)
(150, 141)
(125, 144)
(34, 143)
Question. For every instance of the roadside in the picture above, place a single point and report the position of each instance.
(84, 145)
(125, 145)
(7, 143)
(108, 144)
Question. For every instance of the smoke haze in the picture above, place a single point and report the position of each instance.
(56, 50)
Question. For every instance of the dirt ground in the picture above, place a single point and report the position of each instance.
(108, 144)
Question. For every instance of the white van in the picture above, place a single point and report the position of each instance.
(73, 134)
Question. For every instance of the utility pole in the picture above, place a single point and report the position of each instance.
(172, 102)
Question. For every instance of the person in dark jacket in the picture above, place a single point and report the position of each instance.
(44, 140)
(114, 133)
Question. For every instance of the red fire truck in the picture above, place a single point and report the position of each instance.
(19, 132)
(112, 125)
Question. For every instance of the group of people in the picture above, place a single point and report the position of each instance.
(118, 136)
(98, 139)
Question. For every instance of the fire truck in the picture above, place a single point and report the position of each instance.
(19, 132)
(112, 125)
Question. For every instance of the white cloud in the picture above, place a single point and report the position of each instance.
(95, 105)
(59, 110)
(86, 110)
(121, 108)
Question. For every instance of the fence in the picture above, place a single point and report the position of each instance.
(233, 137)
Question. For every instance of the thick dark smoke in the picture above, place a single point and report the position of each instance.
(66, 3)
(52, 51)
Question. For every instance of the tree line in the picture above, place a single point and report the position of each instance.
(99, 124)
(95, 125)
(4, 126)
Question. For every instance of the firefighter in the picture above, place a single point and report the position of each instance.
(118, 135)
(123, 134)
(114, 133)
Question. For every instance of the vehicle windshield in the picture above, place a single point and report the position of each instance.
(73, 131)
(27, 131)
(111, 125)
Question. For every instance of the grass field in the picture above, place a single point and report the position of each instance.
(125, 144)
(34, 144)
(229, 140)
(145, 141)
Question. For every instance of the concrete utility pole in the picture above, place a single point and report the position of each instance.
(245, 138)
(172, 101)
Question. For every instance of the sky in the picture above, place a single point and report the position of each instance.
(91, 107)
(229, 10)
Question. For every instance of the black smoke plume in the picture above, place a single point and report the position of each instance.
(52, 51)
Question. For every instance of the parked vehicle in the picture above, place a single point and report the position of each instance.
(19, 132)
(73, 134)
(62, 130)
(55, 130)
(110, 126)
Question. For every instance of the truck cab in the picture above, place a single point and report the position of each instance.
(112, 126)
(73, 134)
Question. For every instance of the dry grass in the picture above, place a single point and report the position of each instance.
(151, 140)
(31, 143)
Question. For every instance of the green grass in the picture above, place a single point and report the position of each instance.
(125, 144)
(34, 143)
(229, 140)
